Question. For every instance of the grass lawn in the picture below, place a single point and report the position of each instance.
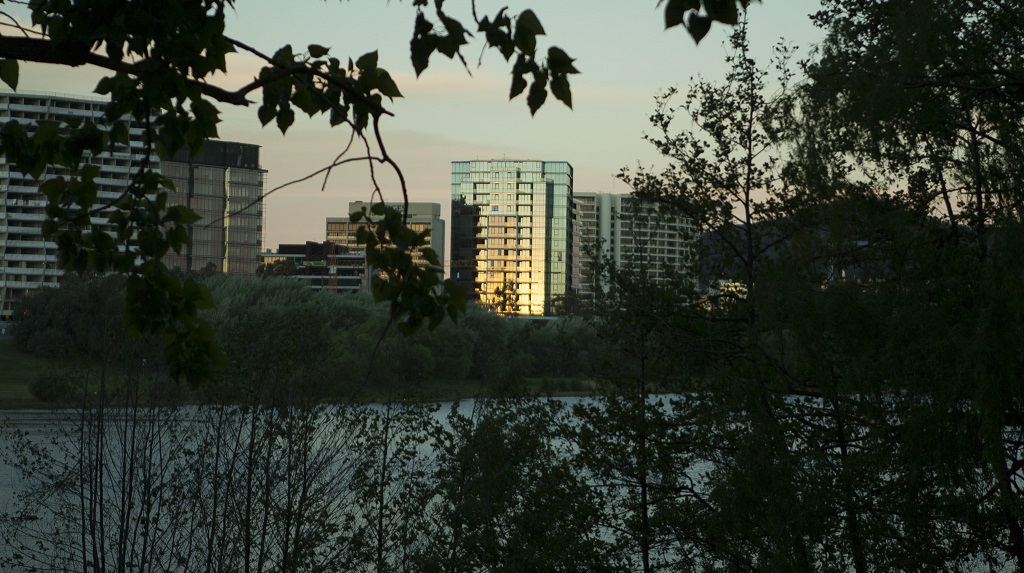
(17, 371)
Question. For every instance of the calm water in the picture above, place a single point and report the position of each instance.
(47, 426)
(41, 425)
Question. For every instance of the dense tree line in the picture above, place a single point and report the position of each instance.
(277, 331)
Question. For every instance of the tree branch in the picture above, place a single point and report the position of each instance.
(46, 51)
(285, 71)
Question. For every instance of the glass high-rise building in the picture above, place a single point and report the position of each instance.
(511, 247)
(223, 184)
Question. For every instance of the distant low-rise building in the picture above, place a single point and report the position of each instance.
(320, 266)
(338, 263)
(421, 217)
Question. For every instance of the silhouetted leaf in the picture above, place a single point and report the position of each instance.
(9, 73)
(538, 93)
(367, 61)
(560, 89)
(527, 29)
(559, 62)
(724, 11)
(317, 51)
(698, 26)
(675, 11)
(518, 85)
(386, 85)
(285, 118)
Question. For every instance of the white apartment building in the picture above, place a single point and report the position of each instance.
(27, 261)
(632, 234)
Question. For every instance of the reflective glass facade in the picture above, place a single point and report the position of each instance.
(511, 234)
(223, 184)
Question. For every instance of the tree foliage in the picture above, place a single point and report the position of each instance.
(320, 345)
(726, 171)
(279, 268)
(934, 108)
(848, 416)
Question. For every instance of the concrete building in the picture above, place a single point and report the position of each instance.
(510, 233)
(224, 185)
(421, 217)
(27, 260)
(630, 233)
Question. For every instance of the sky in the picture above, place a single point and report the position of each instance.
(449, 113)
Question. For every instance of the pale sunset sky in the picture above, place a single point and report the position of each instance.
(622, 50)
